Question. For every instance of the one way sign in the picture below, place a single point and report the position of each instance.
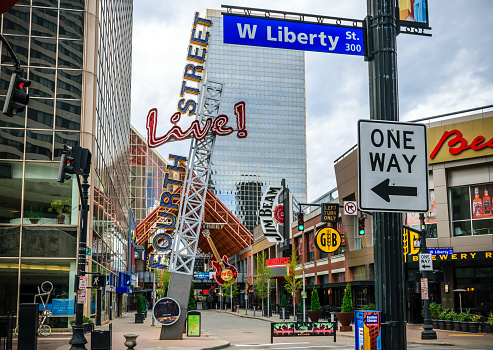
(393, 166)
(425, 262)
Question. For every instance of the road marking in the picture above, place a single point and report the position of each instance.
(465, 335)
(305, 342)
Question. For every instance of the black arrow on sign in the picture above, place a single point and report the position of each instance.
(384, 190)
(425, 266)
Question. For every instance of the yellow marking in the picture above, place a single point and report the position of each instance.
(465, 335)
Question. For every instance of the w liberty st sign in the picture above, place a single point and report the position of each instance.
(283, 34)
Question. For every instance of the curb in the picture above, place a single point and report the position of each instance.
(222, 343)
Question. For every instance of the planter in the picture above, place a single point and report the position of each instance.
(314, 315)
(474, 327)
(457, 326)
(34, 221)
(61, 219)
(441, 324)
(130, 340)
(286, 314)
(449, 325)
(489, 328)
(139, 318)
(435, 324)
(464, 326)
(345, 319)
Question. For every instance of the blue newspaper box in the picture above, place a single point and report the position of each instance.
(368, 335)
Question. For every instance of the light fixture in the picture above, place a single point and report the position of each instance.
(446, 288)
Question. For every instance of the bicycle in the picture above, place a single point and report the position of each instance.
(43, 329)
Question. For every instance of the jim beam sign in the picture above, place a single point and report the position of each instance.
(271, 214)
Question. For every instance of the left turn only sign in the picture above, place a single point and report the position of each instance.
(328, 240)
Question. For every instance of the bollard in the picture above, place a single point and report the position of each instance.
(332, 317)
(130, 341)
(283, 315)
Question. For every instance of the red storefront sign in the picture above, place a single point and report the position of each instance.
(277, 261)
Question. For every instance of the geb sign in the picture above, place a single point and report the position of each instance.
(328, 240)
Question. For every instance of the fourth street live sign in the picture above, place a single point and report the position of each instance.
(393, 167)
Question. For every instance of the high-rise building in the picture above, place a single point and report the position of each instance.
(78, 56)
(272, 84)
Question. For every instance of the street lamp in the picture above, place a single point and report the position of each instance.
(460, 296)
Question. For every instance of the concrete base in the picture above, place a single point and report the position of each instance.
(345, 328)
(179, 290)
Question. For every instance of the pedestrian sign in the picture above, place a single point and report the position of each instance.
(425, 262)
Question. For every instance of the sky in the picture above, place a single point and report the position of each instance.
(448, 72)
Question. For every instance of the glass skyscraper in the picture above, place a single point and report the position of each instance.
(272, 84)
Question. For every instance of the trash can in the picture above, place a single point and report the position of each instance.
(193, 324)
(101, 339)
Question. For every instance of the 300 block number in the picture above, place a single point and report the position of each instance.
(353, 47)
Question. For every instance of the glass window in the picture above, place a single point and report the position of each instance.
(70, 54)
(43, 52)
(10, 192)
(72, 24)
(9, 241)
(311, 247)
(20, 45)
(39, 145)
(472, 212)
(44, 22)
(43, 82)
(16, 20)
(69, 138)
(57, 202)
(68, 114)
(72, 4)
(45, 3)
(9, 272)
(17, 121)
(11, 144)
(40, 113)
(69, 84)
(5, 79)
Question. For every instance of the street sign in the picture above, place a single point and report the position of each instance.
(88, 251)
(424, 289)
(448, 251)
(282, 34)
(330, 212)
(82, 282)
(328, 240)
(393, 166)
(81, 296)
(350, 208)
(425, 262)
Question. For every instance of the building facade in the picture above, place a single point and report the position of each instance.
(272, 84)
(77, 55)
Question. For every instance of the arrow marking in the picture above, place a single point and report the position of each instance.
(425, 266)
(384, 191)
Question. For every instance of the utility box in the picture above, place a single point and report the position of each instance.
(28, 326)
(101, 339)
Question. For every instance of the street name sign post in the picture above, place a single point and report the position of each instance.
(425, 262)
(392, 166)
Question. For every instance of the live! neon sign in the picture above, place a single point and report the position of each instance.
(190, 88)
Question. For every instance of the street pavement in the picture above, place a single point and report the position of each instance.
(224, 329)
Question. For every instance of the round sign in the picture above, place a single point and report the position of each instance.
(166, 311)
(328, 240)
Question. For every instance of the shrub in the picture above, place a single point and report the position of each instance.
(452, 315)
(370, 306)
(490, 319)
(284, 302)
(435, 310)
(141, 304)
(347, 301)
(192, 304)
(315, 302)
(443, 314)
(475, 318)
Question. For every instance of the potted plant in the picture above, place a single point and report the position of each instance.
(456, 321)
(441, 319)
(33, 214)
(346, 315)
(61, 208)
(140, 306)
(87, 324)
(465, 318)
(489, 323)
(435, 310)
(449, 320)
(315, 311)
(284, 305)
(474, 323)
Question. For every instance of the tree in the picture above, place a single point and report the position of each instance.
(315, 301)
(192, 305)
(262, 276)
(292, 282)
(230, 289)
(162, 283)
(347, 300)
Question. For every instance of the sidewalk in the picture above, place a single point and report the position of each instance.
(444, 338)
(149, 336)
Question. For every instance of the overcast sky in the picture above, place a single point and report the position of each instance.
(448, 72)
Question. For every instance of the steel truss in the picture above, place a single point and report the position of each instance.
(195, 187)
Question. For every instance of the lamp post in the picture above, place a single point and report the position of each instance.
(428, 332)
(78, 340)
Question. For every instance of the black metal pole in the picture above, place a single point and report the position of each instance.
(428, 332)
(387, 227)
(78, 340)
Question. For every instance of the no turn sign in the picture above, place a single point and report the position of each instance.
(350, 208)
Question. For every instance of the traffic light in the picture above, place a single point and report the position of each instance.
(66, 164)
(301, 221)
(17, 98)
(361, 225)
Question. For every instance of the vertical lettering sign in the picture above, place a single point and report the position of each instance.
(393, 167)
(267, 211)
(330, 212)
(281, 34)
